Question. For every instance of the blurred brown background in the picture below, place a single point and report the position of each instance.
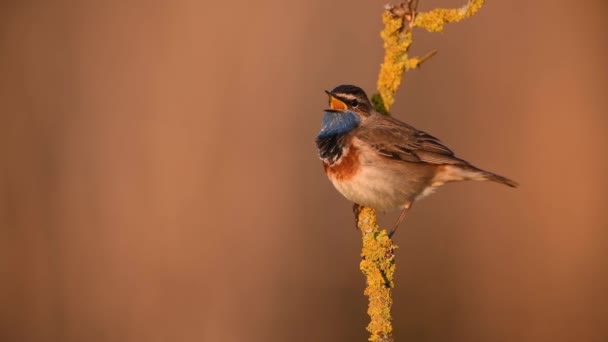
(159, 180)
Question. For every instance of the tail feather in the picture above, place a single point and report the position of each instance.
(460, 172)
(499, 179)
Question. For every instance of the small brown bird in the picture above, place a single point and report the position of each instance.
(380, 162)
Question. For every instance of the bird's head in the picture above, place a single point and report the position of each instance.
(349, 98)
(348, 108)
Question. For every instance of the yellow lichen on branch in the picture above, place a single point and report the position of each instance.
(378, 265)
(397, 36)
(397, 41)
(378, 260)
(434, 20)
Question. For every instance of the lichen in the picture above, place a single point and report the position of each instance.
(434, 20)
(397, 42)
(378, 265)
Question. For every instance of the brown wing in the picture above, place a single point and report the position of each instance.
(397, 140)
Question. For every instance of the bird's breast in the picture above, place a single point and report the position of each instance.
(346, 167)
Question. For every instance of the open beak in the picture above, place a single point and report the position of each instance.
(335, 103)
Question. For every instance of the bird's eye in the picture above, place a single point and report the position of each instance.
(354, 103)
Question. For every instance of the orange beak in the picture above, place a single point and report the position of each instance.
(335, 103)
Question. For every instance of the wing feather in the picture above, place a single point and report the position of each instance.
(397, 140)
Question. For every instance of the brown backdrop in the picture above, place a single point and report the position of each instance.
(159, 180)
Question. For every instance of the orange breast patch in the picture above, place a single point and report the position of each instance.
(346, 167)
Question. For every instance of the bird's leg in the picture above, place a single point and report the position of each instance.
(406, 207)
(357, 210)
(411, 16)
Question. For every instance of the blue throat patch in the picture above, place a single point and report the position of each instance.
(336, 123)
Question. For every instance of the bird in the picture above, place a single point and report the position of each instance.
(377, 161)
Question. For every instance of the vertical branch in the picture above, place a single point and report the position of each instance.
(378, 259)
(378, 265)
